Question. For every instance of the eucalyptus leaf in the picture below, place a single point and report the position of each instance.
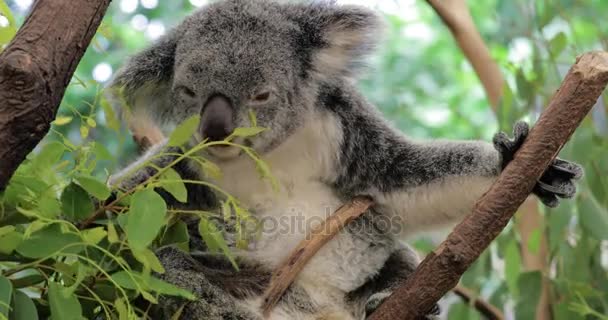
(94, 187)
(23, 307)
(6, 294)
(146, 217)
(64, 305)
(184, 131)
(76, 203)
(171, 181)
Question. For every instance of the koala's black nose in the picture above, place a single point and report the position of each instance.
(216, 118)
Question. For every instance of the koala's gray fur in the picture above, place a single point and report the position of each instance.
(295, 65)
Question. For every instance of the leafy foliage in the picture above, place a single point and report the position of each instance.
(52, 265)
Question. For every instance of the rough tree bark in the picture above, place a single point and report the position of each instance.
(35, 69)
(441, 269)
(457, 17)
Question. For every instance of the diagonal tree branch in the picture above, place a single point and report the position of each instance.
(440, 270)
(456, 16)
(35, 69)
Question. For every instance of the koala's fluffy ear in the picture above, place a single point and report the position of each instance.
(338, 38)
(141, 87)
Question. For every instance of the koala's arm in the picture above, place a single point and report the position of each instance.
(426, 184)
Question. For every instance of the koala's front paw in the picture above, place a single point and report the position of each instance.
(558, 181)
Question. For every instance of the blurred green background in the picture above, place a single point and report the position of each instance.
(422, 82)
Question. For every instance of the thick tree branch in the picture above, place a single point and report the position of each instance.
(441, 269)
(35, 69)
(456, 15)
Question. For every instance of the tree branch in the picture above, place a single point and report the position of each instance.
(485, 308)
(440, 270)
(286, 273)
(457, 17)
(35, 69)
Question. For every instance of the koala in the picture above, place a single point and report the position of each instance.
(295, 66)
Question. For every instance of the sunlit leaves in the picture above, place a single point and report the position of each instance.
(48, 241)
(93, 187)
(184, 131)
(146, 217)
(171, 181)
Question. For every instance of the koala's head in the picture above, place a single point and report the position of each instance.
(239, 55)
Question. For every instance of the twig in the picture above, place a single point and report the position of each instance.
(484, 307)
(285, 274)
(441, 269)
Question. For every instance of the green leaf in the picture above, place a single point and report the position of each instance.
(76, 203)
(111, 119)
(210, 169)
(91, 122)
(62, 120)
(94, 236)
(145, 219)
(112, 234)
(132, 280)
(177, 234)
(7, 33)
(184, 131)
(10, 241)
(558, 44)
(163, 287)
(172, 182)
(48, 241)
(149, 260)
(6, 293)
(214, 240)
(84, 132)
(48, 204)
(48, 156)
(23, 307)
(247, 132)
(94, 187)
(530, 285)
(64, 305)
(512, 266)
(593, 217)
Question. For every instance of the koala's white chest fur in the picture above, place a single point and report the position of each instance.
(300, 165)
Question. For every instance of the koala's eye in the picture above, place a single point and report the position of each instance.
(185, 92)
(261, 97)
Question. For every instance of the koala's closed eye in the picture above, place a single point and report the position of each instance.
(185, 92)
(261, 97)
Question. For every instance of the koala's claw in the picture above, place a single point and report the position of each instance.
(558, 181)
